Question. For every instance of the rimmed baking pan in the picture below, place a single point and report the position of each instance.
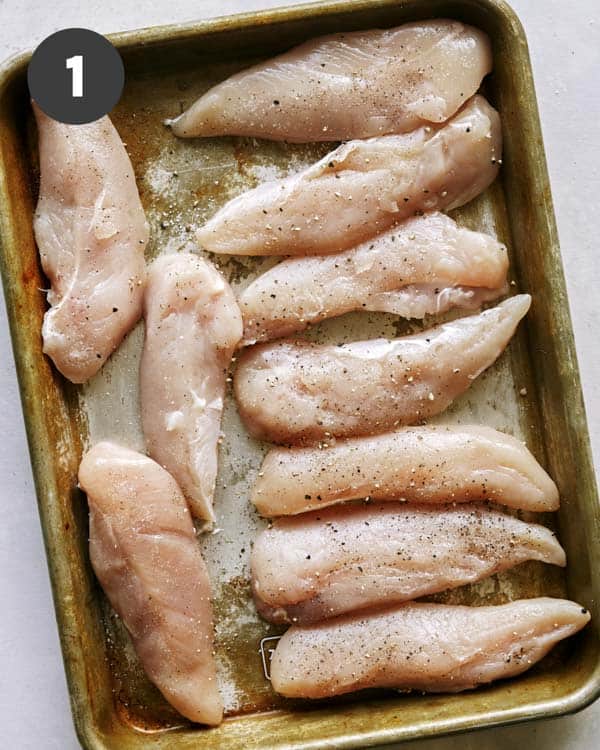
(533, 391)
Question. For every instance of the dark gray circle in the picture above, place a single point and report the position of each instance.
(56, 87)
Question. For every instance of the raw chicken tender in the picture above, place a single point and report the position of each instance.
(91, 233)
(193, 324)
(145, 553)
(348, 85)
(423, 266)
(325, 563)
(430, 647)
(297, 391)
(362, 188)
(435, 464)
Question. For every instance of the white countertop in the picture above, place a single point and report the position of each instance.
(564, 39)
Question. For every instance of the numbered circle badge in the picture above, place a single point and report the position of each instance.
(76, 76)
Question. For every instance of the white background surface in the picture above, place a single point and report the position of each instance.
(564, 39)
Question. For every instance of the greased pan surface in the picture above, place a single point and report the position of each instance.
(183, 182)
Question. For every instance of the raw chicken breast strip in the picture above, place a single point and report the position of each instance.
(435, 464)
(362, 188)
(297, 391)
(325, 563)
(425, 265)
(430, 647)
(389, 81)
(91, 233)
(145, 553)
(193, 324)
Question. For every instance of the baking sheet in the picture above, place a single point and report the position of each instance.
(182, 182)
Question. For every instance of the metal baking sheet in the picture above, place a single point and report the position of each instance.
(533, 392)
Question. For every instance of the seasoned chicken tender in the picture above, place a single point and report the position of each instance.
(362, 188)
(423, 266)
(146, 556)
(91, 233)
(299, 392)
(348, 85)
(193, 324)
(436, 464)
(434, 648)
(328, 562)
